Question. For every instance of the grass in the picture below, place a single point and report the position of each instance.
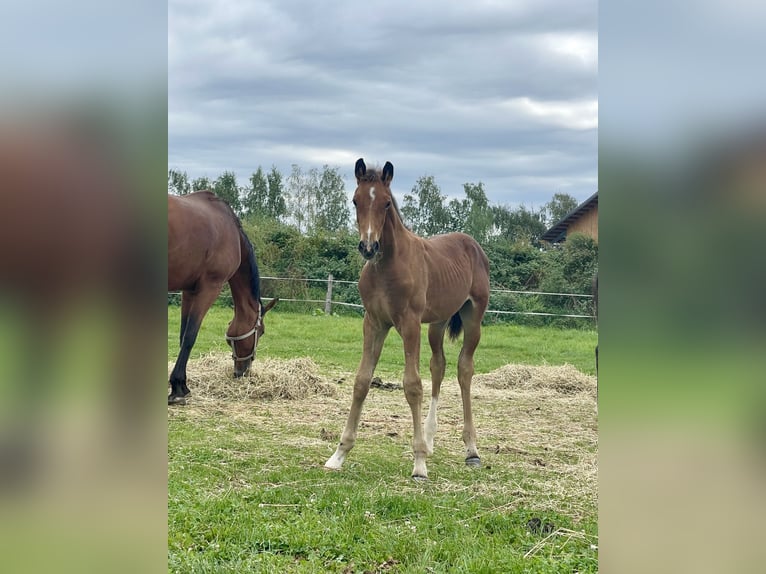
(247, 491)
(335, 343)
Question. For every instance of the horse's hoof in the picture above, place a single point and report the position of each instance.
(418, 478)
(173, 400)
(474, 461)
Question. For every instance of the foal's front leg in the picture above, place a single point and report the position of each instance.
(413, 391)
(374, 337)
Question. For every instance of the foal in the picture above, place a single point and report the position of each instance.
(408, 280)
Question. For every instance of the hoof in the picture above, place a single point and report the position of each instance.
(418, 478)
(174, 400)
(474, 461)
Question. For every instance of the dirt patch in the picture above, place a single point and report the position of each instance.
(378, 383)
(565, 379)
(210, 377)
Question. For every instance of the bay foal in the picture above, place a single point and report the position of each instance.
(407, 281)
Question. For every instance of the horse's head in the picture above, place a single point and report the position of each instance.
(372, 200)
(244, 346)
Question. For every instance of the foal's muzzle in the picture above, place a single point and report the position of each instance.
(368, 250)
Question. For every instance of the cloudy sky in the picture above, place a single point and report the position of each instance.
(503, 92)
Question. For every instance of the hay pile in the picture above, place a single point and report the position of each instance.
(565, 379)
(211, 377)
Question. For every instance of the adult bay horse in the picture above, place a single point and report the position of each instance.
(207, 248)
(407, 281)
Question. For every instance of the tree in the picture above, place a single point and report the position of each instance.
(558, 207)
(332, 213)
(178, 182)
(201, 183)
(255, 197)
(424, 208)
(520, 225)
(457, 211)
(275, 202)
(301, 195)
(479, 216)
(226, 188)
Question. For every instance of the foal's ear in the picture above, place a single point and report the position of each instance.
(360, 169)
(269, 305)
(388, 173)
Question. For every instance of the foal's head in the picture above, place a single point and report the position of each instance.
(372, 200)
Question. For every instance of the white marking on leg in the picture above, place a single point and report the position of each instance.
(430, 430)
(336, 460)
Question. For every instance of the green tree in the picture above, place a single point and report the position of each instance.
(302, 189)
(255, 197)
(424, 208)
(178, 182)
(479, 216)
(519, 225)
(227, 189)
(275, 203)
(558, 207)
(580, 262)
(331, 205)
(457, 212)
(201, 183)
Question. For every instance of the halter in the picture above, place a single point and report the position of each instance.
(253, 331)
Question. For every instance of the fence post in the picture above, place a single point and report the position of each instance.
(328, 297)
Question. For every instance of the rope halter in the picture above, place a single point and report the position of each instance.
(251, 332)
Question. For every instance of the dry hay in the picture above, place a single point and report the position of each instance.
(535, 423)
(211, 377)
(565, 379)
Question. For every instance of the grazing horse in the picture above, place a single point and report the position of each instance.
(207, 248)
(407, 281)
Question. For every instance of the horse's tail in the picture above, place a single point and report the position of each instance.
(455, 326)
(248, 257)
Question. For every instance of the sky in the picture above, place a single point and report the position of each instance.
(503, 92)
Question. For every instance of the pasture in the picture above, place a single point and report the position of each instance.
(247, 491)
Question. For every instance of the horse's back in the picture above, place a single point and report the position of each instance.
(463, 254)
(203, 240)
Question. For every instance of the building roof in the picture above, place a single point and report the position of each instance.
(559, 230)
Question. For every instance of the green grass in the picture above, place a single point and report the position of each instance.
(247, 491)
(335, 343)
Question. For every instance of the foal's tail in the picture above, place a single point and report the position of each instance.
(455, 326)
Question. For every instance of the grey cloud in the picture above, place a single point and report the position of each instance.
(491, 92)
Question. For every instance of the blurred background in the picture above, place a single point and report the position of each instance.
(682, 169)
(83, 144)
(83, 149)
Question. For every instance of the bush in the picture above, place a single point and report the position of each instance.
(283, 252)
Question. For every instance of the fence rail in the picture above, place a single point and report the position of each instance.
(329, 302)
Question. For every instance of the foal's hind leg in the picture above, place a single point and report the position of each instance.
(374, 337)
(438, 365)
(471, 336)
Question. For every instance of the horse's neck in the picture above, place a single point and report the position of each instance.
(397, 239)
(245, 305)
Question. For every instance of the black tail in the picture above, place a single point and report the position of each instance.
(455, 326)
